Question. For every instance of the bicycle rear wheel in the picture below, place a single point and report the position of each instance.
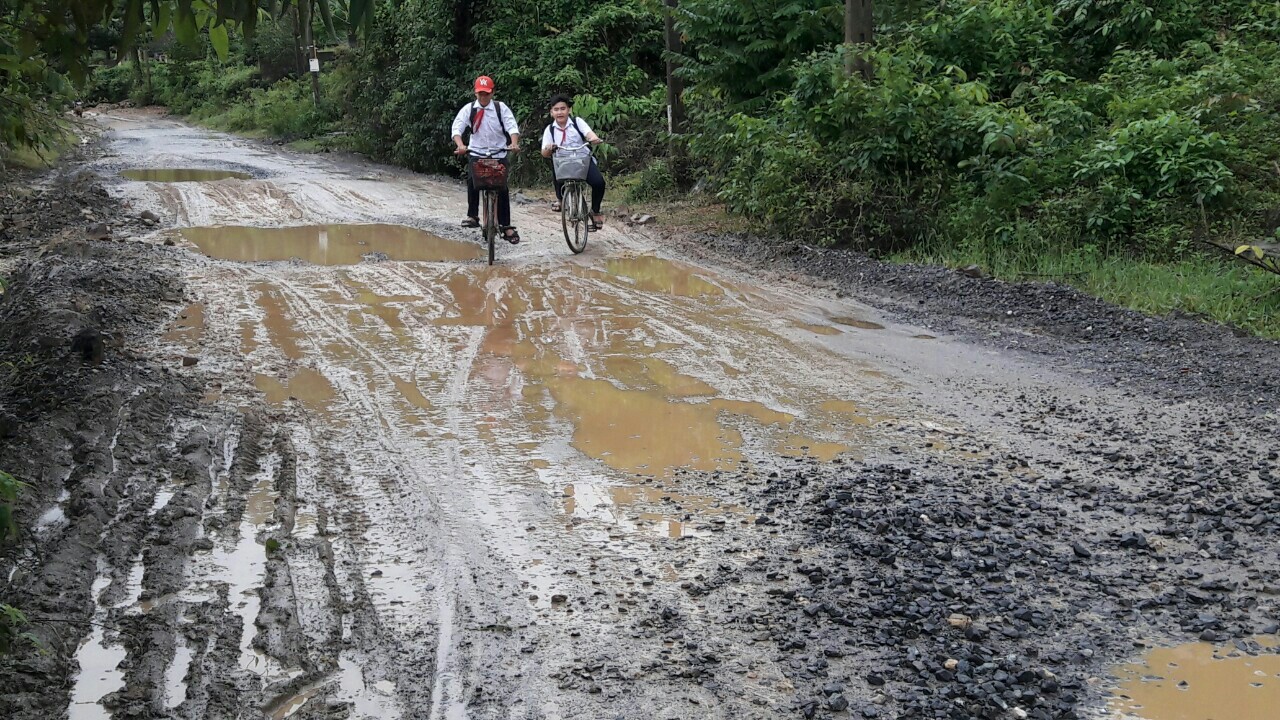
(572, 219)
(490, 202)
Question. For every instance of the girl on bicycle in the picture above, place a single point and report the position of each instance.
(569, 131)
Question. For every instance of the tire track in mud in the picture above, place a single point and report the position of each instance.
(300, 307)
(476, 475)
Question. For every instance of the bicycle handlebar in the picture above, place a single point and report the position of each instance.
(493, 154)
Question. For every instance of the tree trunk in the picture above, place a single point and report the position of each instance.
(675, 86)
(859, 28)
(297, 42)
(309, 42)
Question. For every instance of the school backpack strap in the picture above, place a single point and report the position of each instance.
(471, 122)
(501, 123)
(578, 127)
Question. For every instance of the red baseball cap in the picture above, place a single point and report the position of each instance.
(484, 83)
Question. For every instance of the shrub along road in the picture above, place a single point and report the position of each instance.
(342, 471)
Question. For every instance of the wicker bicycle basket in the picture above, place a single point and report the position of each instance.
(487, 173)
(572, 164)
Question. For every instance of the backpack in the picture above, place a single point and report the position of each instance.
(471, 122)
(576, 126)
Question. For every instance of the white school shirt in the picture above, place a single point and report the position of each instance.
(567, 135)
(489, 138)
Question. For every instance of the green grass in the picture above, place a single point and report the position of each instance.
(1216, 288)
(29, 158)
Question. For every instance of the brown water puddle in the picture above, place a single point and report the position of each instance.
(412, 394)
(1199, 681)
(328, 244)
(380, 305)
(279, 327)
(655, 274)
(170, 175)
(306, 385)
(642, 431)
(856, 323)
(188, 328)
(629, 408)
(820, 329)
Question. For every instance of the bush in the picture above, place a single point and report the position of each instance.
(979, 125)
(110, 84)
(655, 182)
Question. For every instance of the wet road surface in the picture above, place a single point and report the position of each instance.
(434, 480)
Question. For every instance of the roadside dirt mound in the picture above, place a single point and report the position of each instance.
(1175, 356)
(82, 420)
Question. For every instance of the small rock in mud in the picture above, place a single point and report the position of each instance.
(149, 216)
(188, 360)
(98, 231)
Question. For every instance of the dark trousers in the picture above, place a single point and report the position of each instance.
(504, 202)
(595, 180)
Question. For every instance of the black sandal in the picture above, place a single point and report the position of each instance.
(555, 206)
(471, 222)
(513, 236)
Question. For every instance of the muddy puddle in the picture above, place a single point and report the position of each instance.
(857, 323)
(1200, 681)
(328, 244)
(600, 383)
(172, 175)
(98, 661)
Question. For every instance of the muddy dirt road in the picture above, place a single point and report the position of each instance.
(377, 478)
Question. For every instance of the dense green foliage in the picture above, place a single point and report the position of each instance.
(417, 66)
(1026, 135)
(1023, 123)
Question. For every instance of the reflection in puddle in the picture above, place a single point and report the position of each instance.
(182, 175)
(1198, 681)
(369, 702)
(328, 244)
(175, 676)
(244, 564)
(98, 662)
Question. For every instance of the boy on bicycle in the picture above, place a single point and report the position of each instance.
(487, 127)
(568, 131)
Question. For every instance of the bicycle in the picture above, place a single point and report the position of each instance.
(489, 177)
(572, 165)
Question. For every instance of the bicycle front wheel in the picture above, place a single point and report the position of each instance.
(572, 219)
(490, 220)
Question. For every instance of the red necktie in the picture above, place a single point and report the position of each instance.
(564, 135)
(479, 117)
